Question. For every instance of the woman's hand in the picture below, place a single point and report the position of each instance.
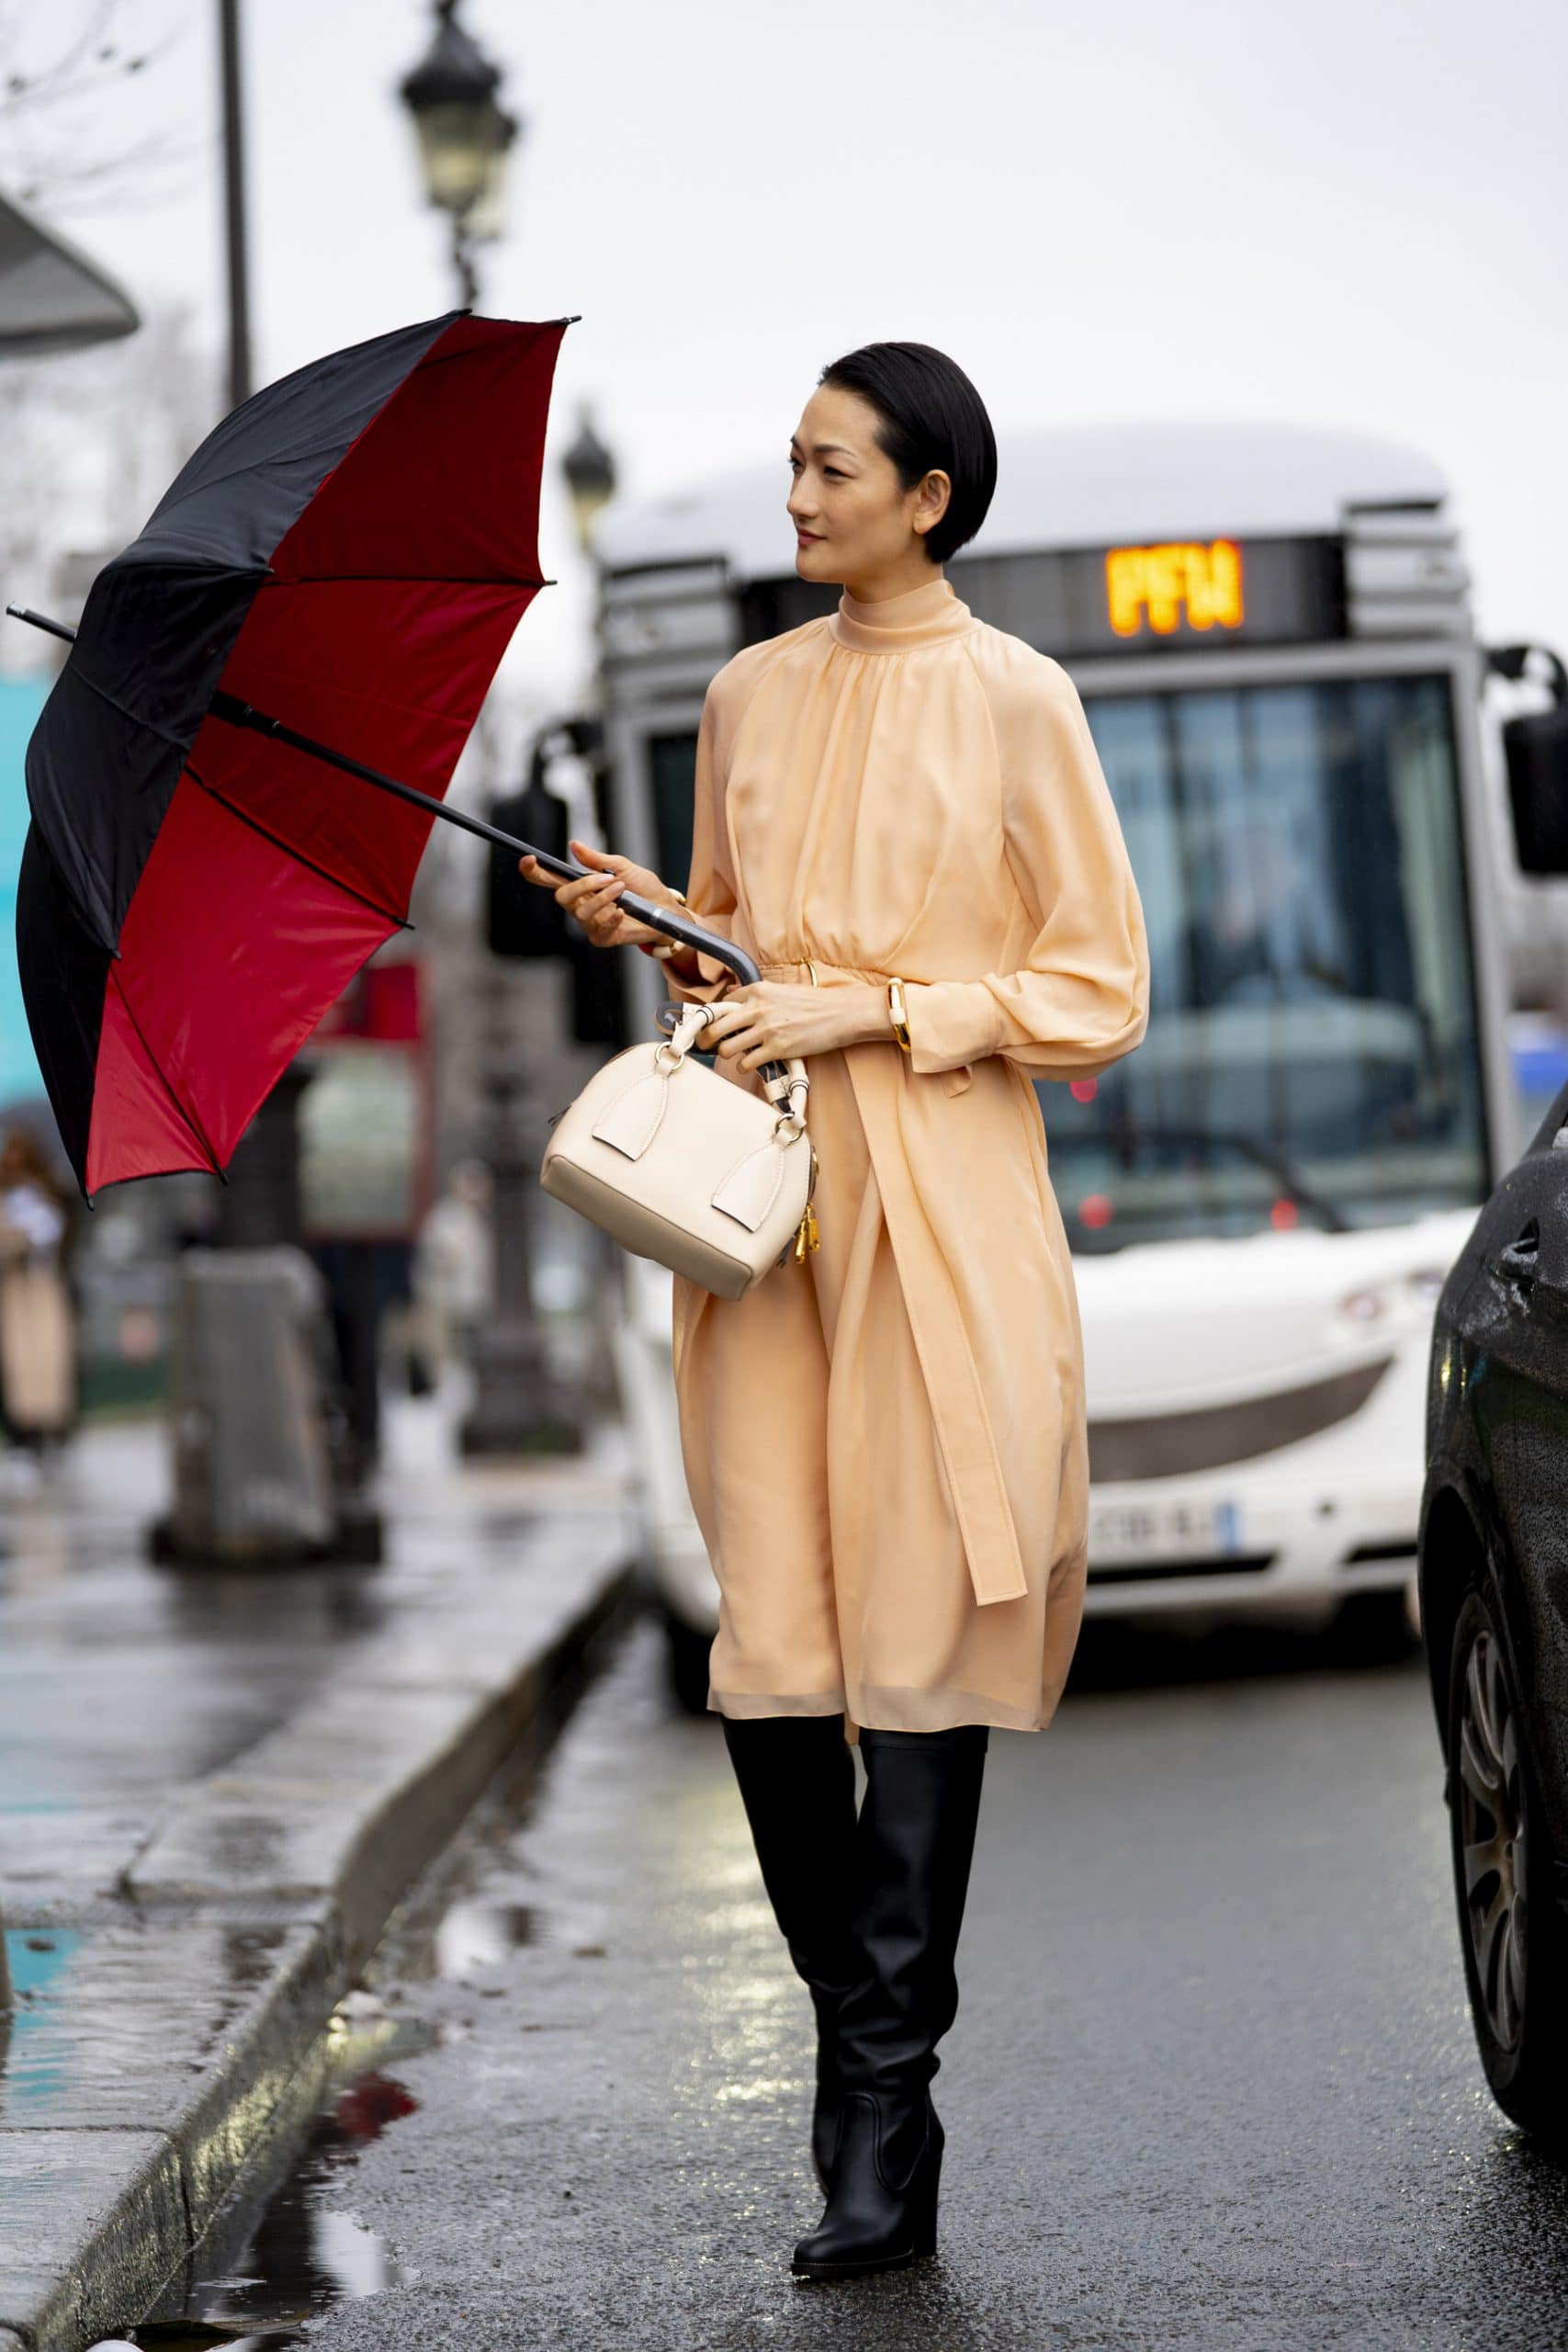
(591, 898)
(768, 1021)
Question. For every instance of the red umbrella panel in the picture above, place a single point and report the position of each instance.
(349, 551)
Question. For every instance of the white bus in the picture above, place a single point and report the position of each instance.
(1271, 631)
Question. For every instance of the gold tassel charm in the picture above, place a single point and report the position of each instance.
(806, 1234)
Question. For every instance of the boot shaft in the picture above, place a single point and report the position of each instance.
(797, 1779)
(914, 1847)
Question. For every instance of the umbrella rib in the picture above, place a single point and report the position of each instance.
(399, 580)
(288, 849)
(131, 717)
(186, 1114)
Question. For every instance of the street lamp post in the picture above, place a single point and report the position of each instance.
(464, 137)
(259, 1203)
(590, 472)
(235, 243)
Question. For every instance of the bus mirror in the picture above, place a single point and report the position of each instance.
(1536, 749)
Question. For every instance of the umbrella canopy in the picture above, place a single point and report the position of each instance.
(350, 551)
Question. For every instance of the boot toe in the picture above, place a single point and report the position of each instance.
(844, 2253)
(868, 2225)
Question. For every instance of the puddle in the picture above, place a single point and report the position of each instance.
(289, 2245)
(181, 2336)
(37, 1955)
(476, 1934)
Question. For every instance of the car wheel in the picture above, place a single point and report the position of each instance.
(1374, 1628)
(687, 1652)
(1510, 1931)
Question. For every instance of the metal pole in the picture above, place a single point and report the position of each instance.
(239, 379)
(463, 262)
(518, 1406)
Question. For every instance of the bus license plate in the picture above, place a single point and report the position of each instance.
(1174, 1531)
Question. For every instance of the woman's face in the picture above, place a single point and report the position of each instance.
(853, 519)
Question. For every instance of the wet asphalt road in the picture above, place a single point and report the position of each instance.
(1212, 2085)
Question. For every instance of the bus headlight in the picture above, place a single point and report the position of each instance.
(1417, 1292)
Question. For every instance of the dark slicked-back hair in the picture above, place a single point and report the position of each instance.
(928, 414)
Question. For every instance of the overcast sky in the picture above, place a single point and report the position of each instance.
(1351, 214)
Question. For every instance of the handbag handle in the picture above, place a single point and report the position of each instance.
(789, 1085)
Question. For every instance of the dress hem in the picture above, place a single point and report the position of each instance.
(886, 1710)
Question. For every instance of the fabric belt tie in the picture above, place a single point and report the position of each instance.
(917, 1217)
(802, 968)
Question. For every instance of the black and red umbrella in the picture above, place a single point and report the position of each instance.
(234, 776)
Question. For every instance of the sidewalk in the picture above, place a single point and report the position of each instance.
(214, 1789)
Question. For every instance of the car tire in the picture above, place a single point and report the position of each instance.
(1374, 1628)
(1511, 1931)
(686, 1651)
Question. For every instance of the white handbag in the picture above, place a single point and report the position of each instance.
(682, 1166)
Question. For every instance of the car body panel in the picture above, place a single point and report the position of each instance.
(1497, 1446)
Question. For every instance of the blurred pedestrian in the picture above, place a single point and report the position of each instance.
(900, 815)
(38, 1334)
(454, 1277)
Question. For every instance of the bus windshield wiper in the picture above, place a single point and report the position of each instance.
(1264, 1156)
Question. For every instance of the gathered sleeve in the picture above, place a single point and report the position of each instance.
(709, 887)
(1079, 1001)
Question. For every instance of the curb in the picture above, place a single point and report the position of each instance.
(265, 1888)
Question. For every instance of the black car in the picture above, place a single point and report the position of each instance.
(1494, 1589)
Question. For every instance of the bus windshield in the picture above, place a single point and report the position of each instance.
(1311, 1054)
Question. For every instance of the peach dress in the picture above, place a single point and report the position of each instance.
(885, 1442)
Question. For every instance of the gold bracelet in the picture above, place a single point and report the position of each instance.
(896, 1015)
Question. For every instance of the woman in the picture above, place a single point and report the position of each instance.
(900, 815)
(37, 1341)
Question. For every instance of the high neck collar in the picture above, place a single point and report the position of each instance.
(923, 615)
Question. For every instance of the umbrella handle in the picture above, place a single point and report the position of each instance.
(41, 621)
(676, 925)
(570, 870)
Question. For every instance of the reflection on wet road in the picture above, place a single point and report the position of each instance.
(1211, 2084)
(287, 2248)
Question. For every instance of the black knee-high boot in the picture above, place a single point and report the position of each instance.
(797, 1782)
(914, 1843)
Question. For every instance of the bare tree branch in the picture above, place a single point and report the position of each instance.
(89, 442)
(158, 164)
(88, 60)
(47, 120)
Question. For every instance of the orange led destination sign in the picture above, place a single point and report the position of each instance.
(1186, 583)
